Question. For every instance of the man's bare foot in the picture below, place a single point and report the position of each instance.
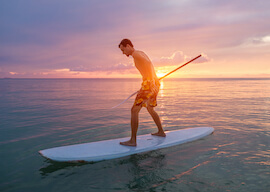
(160, 134)
(128, 143)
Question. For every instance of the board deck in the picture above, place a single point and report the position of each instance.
(111, 149)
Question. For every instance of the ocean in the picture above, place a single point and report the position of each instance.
(37, 114)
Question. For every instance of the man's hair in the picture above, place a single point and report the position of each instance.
(125, 42)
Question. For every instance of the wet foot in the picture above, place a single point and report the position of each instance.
(160, 134)
(128, 143)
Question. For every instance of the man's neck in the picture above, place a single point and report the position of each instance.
(132, 52)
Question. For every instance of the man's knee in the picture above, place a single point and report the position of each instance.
(135, 109)
(150, 109)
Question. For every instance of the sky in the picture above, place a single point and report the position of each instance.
(79, 39)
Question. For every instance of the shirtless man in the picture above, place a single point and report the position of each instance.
(146, 96)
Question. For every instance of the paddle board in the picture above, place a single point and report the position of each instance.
(111, 149)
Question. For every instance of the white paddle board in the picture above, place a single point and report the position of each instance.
(111, 149)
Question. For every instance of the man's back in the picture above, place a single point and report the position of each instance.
(144, 65)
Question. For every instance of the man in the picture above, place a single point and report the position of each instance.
(146, 96)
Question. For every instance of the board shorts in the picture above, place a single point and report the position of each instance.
(147, 95)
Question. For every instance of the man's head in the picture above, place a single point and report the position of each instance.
(126, 47)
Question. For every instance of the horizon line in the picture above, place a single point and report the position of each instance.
(135, 78)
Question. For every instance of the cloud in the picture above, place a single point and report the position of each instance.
(13, 73)
(112, 71)
(203, 59)
(62, 70)
(108, 68)
(261, 40)
(121, 67)
(177, 58)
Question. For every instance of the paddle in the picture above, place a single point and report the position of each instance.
(159, 79)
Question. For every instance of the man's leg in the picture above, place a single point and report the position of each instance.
(134, 126)
(156, 118)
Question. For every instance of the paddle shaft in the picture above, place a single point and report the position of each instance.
(180, 67)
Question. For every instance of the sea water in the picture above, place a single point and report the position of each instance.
(36, 114)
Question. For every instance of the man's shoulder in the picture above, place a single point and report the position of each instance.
(140, 55)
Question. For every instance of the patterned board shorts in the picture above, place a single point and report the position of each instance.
(147, 95)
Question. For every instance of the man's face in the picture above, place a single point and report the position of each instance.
(126, 50)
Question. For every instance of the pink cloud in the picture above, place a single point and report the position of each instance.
(177, 58)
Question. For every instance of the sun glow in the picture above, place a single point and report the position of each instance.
(162, 71)
(159, 74)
